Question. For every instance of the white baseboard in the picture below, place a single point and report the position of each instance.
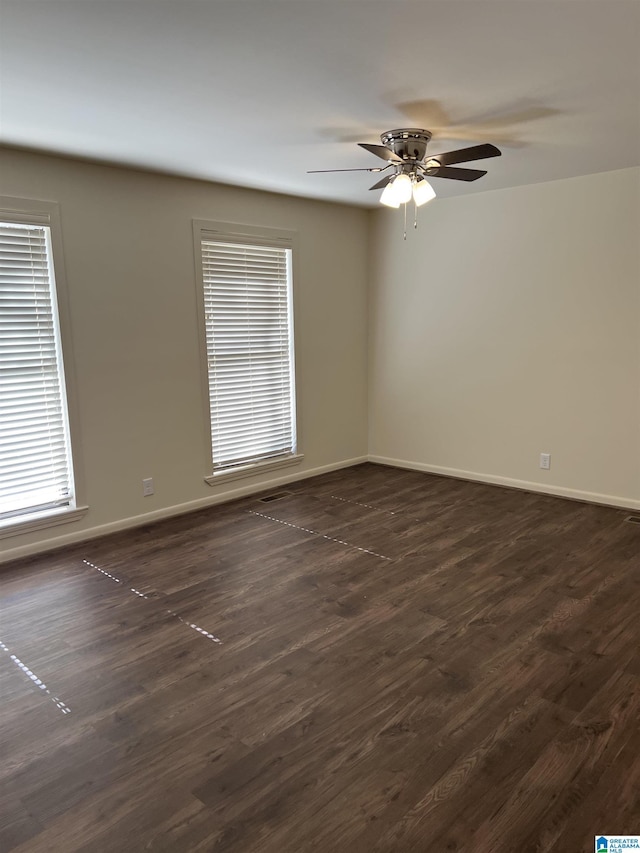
(526, 485)
(171, 511)
(254, 488)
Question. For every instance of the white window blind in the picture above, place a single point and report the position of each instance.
(248, 320)
(35, 469)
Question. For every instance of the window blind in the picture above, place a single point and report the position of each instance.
(248, 320)
(35, 471)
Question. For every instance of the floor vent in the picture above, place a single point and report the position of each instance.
(278, 495)
(634, 519)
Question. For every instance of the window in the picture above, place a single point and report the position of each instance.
(247, 303)
(36, 475)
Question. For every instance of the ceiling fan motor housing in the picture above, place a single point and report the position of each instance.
(409, 143)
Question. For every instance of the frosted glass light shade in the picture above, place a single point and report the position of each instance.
(423, 192)
(402, 188)
(397, 192)
(388, 196)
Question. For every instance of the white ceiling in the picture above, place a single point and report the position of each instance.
(255, 92)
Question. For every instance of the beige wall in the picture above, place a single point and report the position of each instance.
(506, 326)
(128, 249)
(509, 325)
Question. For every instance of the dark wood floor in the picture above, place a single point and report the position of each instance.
(391, 661)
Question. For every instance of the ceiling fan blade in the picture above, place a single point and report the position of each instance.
(465, 155)
(381, 151)
(382, 182)
(456, 174)
(374, 169)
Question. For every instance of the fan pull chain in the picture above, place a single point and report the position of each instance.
(415, 215)
(405, 222)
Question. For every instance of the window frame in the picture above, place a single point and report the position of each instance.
(233, 232)
(47, 213)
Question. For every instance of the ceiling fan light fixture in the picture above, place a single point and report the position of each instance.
(423, 192)
(389, 196)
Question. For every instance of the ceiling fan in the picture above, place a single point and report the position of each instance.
(405, 149)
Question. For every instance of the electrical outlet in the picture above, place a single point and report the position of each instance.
(545, 461)
(147, 487)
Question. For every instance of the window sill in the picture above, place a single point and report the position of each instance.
(253, 470)
(38, 521)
